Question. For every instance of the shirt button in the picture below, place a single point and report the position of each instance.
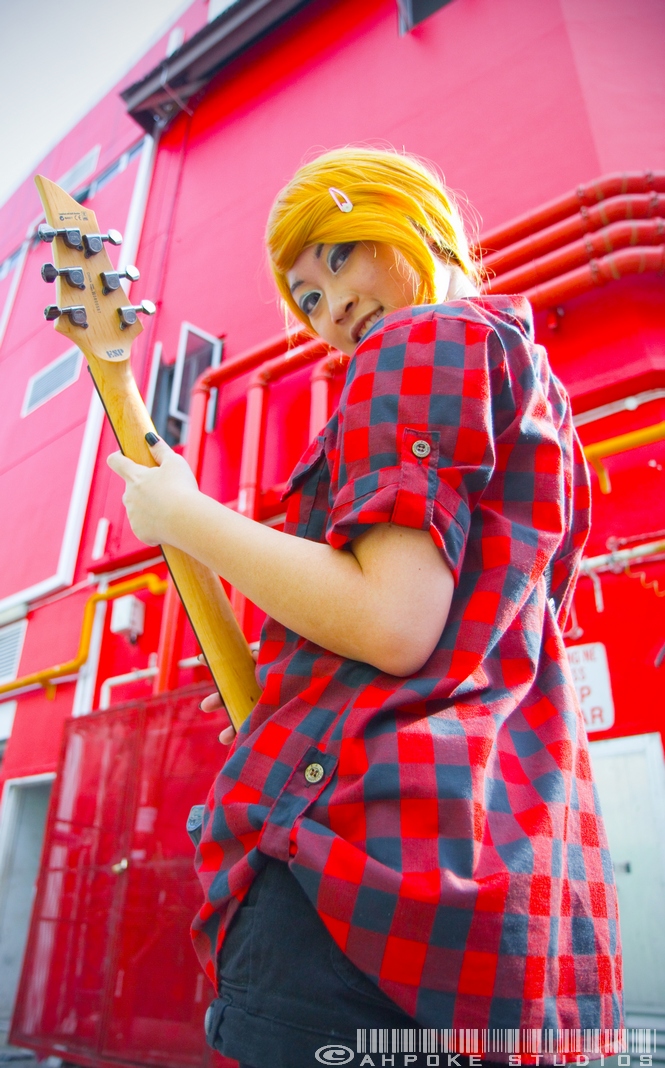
(314, 773)
(421, 448)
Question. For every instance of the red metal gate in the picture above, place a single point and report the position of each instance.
(109, 973)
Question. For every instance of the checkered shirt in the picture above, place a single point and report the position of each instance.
(453, 844)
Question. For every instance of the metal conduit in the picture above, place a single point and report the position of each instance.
(607, 240)
(609, 185)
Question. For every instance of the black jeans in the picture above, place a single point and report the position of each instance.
(286, 989)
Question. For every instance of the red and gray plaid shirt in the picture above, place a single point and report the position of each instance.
(445, 826)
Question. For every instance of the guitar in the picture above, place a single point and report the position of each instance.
(93, 311)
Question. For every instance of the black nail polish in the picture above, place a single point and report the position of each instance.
(151, 438)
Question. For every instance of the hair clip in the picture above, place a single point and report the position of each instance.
(341, 199)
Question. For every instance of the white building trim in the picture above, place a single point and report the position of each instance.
(90, 445)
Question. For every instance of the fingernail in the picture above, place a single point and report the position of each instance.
(151, 438)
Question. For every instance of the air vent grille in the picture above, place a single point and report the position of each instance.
(11, 644)
(52, 380)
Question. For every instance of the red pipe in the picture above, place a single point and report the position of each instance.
(585, 221)
(252, 442)
(597, 273)
(251, 463)
(322, 375)
(610, 185)
(171, 633)
(609, 239)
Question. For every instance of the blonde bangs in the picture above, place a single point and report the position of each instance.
(396, 201)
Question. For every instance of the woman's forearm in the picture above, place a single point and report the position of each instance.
(385, 603)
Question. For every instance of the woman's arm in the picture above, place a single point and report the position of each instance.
(385, 602)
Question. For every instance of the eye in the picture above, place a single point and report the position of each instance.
(339, 254)
(309, 301)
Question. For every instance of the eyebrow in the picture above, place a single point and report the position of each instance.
(317, 252)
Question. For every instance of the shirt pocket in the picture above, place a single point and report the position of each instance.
(302, 490)
(419, 479)
(402, 493)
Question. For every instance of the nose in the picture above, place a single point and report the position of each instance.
(341, 306)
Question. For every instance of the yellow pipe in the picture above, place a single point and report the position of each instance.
(621, 443)
(44, 677)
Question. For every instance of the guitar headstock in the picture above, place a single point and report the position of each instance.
(90, 307)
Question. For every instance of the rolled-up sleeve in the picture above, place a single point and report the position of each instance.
(415, 431)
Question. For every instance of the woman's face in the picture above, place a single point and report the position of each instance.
(344, 289)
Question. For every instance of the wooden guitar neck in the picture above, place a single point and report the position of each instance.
(100, 322)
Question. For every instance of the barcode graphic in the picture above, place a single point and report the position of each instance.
(478, 1041)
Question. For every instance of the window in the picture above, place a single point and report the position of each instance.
(77, 174)
(51, 380)
(216, 7)
(169, 393)
(10, 263)
(411, 12)
(11, 645)
(7, 713)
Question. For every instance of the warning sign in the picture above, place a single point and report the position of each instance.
(591, 676)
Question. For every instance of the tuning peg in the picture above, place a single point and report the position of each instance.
(70, 235)
(111, 279)
(72, 275)
(128, 314)
(94, 243)
(77, 314)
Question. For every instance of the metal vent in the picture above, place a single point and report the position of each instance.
(52, 380)
(11, 644)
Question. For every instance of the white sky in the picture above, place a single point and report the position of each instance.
(57, 59)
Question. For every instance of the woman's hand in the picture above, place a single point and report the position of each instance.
(214, 703)
(153, 494)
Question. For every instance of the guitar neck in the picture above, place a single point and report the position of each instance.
(202, 594)
(107, 352)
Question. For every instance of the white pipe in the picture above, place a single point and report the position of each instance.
(136, 675)
(38, 686)
(618, 560)
(133, 228)
(87, 677)
(137, 207)
(118, 680)
(626, 404)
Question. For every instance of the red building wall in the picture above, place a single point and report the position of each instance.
(517, 103)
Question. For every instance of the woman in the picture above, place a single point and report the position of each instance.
(406, 828)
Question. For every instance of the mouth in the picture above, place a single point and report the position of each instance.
(365, 324)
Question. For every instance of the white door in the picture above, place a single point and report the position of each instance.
(630, 775)
(23, 815)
